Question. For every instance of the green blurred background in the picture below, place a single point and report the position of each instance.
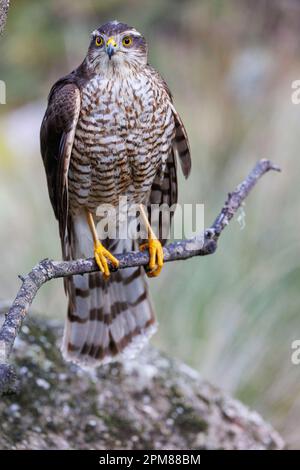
(230, 65)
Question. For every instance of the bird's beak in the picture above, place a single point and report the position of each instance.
(111, 47)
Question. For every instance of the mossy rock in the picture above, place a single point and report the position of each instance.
(152, 402)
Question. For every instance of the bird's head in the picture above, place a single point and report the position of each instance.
(115, 45)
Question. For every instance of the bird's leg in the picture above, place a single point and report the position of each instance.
(154, 246)
(100, 252)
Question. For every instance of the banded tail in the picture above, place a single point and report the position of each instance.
(108, 320)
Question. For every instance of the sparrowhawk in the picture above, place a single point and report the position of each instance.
(110, 130)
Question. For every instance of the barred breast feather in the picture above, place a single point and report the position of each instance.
(123, 138)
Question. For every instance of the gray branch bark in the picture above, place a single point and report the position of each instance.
(4, 6)
(201, 245)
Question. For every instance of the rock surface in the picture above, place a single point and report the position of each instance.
(152, 402)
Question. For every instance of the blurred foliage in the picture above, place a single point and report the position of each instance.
(230, 65)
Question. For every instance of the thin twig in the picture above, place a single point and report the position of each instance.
(44, 271)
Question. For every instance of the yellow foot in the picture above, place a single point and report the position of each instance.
(101, 256)
(156, 256)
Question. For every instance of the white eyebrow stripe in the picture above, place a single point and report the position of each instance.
(95, 33)
(132, 33)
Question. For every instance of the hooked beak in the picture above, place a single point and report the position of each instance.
(111, 47)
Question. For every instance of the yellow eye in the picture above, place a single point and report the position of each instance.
(99, 41)
(127, 41)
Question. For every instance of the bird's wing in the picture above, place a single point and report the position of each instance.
(181, 144)
(56, 137)
(164, 188)
(163, 191)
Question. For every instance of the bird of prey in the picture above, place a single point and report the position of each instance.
(110, 130)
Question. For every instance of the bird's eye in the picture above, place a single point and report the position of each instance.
(99, 41)
(127, 41)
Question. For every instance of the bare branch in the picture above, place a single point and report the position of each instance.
(201, 245)
(4, 5)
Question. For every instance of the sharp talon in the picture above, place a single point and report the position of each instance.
(101, 256)
(154, 273)
(156, 255)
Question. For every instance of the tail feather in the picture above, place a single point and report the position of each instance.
(108, 320)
